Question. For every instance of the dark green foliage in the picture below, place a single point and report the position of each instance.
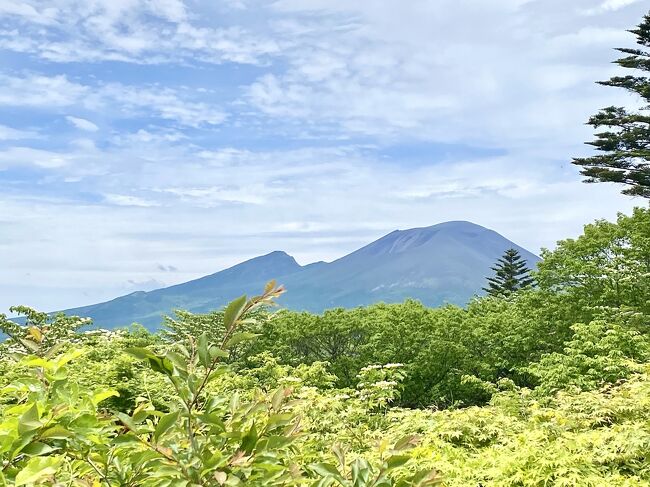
(511, 275)
(489, 339)
(625, 145)
(185, 326)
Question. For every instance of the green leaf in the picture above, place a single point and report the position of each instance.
(140, 353)
(233, 311)
(339, 453)
(280, 419)
(56, 432)
(397, 461)
(52, 352)
(202, 348)
(278, 399)
(162, 365)
(127, 421)
(212, 419)
(216, 352)
(21, 442)
(37, 469)
(406, 442)
(250, 440)
(69, 356)
(323, 482)
(426, 478)
(37, 449)
(29, 344)
(177, 360)
(234, 403)
(326, 470)
(165, 423)
(240, 337)
(103, 395)
(360, 472)
(29, 421)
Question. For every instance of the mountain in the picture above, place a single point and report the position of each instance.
(444, 263)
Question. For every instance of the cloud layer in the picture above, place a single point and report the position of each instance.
(147, 142)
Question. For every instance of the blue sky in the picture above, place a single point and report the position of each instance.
(147, 142)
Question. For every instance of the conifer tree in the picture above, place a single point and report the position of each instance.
(625, 142)
(511, 274)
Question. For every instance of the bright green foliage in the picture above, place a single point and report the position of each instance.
(582, 280)
(53, 434)
(186, 326)
(50, 425)
(267, 372)
(598, 353)
(597, 438)
(40, 331)
(361, 473)
(625, 146)
(606, 267)
(206, 439)
(380, 385)
(510, 275)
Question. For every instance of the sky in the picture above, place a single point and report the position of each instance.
(148, 142)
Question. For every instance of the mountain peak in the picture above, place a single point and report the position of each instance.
(400, 241)
(261, 268)
(277, 255)
(278, 261)
(453, 225)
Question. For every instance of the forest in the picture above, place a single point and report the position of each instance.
(543, 381)
(547, 385)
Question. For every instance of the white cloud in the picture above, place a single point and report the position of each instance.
(212, 196)
(8, 133)
(164, 102)
(610, 6)
(328, 206)
(128, 200)
(40, 91)
(27, 11)
(440, 72)
(352, 119)
(27, 156)
(52, 92)
(82, 123)
(139, 31)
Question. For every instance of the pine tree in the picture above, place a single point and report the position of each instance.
(511, 274)
(625, 144)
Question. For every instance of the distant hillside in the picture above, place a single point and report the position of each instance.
(444, 263)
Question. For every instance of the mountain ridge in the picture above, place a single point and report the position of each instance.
(443, 263)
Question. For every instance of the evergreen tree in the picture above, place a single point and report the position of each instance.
(625, 144)
(511, 274)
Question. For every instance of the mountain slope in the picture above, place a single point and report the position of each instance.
(199, 295)
(448, 262)
(444, 263)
